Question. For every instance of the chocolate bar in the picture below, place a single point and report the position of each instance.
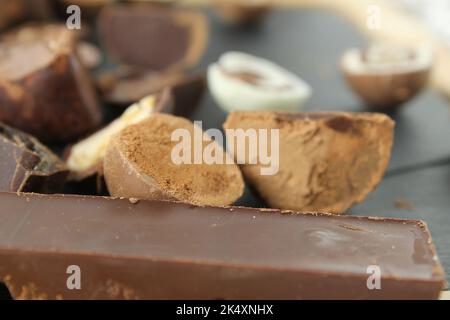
(28, 166)
(73, 247)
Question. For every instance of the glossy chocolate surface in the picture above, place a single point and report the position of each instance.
(160, 250)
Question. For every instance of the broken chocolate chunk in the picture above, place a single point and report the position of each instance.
(28, 166)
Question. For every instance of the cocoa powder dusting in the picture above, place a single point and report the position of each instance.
(148, 147)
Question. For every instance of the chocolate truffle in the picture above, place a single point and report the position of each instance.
(386, 76)
(327, 161)
(44, 89)
(153, 37)
(140, 163)
(28, 166)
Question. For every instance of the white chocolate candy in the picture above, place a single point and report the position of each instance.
(239, 81)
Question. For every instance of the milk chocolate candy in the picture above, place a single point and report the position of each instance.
(152, 37)
(27, 165)
(44, 89)
(326, 161)
(123, 86)
(126, 249)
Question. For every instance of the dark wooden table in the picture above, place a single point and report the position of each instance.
(310, 44)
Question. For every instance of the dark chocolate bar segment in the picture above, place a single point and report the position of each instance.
(127, 249)
(28, 166)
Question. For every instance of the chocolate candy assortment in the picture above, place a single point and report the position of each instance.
(88, 179)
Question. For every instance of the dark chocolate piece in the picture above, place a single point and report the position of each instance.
(125, 86)
(44, 89)
(153, 37)
(128, 249)
(27, 165)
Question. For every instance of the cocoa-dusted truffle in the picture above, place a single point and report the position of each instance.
(240, 81)
(153, 37)
(28, 166)
(327, 161)
(139, 164)
(44, 89)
